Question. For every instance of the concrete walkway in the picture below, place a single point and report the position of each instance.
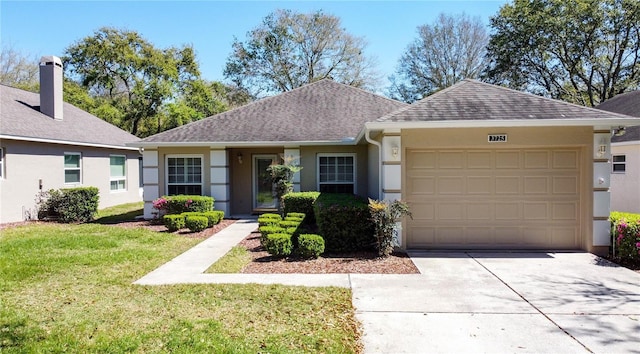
(463, 302)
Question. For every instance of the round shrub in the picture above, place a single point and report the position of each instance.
(213, 216)
(196, 223)
(279, 245)
(310, 245)
(266, 230)
(173, 222)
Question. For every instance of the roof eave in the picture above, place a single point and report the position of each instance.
(242, 144)
(608, 122)
(67, 142)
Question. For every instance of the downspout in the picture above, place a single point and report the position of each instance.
(379, 145)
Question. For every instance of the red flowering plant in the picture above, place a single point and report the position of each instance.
(626, 234)
(160, 206)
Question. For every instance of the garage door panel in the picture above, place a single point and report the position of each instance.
(565, 159)
(480, 160)
(565, 185)
(538, 159)
(511, 198)
(536, 211)
(480, 212)
(480, 185)
(507, 211)
(507, 185)
(450, 185)
(508, 159)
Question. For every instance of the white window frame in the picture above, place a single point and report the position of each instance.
(338, 154)
(184, 156)
(622, 163)
(79, 168)
(118, 178)
(2, 162)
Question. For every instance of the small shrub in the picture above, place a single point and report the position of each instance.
(625, 231)
(279, 245)
(292, 218)
(214, 217)
(178, 204)
(174, 222)
(269, 219)
(384, 217)
(296, 215)
(196, 223)
(301, 202)
(310, 245)
(70, 204)
(345, 222)
(288, 223)
(267, 230)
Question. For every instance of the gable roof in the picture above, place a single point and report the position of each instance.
(323, 111)
(625, 103)
(21, 119)
(471, 100)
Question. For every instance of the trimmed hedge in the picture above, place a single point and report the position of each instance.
(267, 230)
(300, 202)
(71, 204)
(269, 219)
(345, 222)
(173, 222)
(625, 233)
(310, 245)
(196, 223)
(279, 245)
(178, 204)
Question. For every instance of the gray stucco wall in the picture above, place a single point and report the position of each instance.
(26, 163)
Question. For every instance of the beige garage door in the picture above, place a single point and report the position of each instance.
(493, 199)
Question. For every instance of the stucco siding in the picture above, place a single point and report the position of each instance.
(625, 187)
(28, 165)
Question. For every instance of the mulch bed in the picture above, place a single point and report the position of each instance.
(355, 262)
(633, 264)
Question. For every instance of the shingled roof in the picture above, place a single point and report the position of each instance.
(323, 111)
(20, 118)
(471, 100)
(627, 103)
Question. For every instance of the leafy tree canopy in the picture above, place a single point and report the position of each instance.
(445, 52)
(291, 49)
(581, 51)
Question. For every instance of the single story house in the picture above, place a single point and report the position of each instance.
(625, 151)
(50, 144)
(481, 166)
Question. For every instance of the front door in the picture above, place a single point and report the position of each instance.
(264, 197)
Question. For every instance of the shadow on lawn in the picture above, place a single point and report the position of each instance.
(118, 218)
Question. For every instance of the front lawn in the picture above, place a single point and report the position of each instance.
(68, 288)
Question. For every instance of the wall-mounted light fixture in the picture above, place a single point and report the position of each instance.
(240, 158)
(395, 151)
(619, 131)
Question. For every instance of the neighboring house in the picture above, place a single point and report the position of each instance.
(49, 144)
(481, 166)
(625, 151)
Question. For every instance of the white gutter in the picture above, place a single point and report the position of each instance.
(613, 122)
(229, 144)
(379, 145)
(67, 142)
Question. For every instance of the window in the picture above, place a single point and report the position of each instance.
(337, 173)
(1, 163)
(72, 167)
(184, 175)
(619, 164)
(118, 176)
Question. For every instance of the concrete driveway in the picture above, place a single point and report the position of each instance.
(501, 303)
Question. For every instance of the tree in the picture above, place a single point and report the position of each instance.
(445, 52)
(291, 49)
(132, 77)
(17, 70)
(582, 51)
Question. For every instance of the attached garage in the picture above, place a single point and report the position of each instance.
(494, 198)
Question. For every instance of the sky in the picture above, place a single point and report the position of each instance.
(37, 28)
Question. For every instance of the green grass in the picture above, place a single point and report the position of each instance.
(67, 288)
(119, 213)
(232, 262)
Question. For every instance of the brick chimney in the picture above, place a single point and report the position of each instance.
(51, 86)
